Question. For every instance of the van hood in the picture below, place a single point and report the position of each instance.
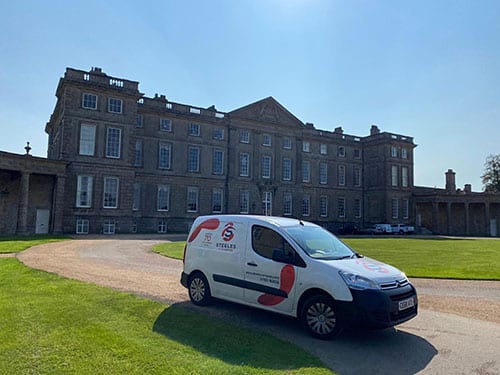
(371, 269)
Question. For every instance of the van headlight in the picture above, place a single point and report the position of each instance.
(358, 282)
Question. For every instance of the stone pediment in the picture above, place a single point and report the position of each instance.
(267, 110)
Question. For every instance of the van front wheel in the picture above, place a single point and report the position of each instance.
(199, 290)
(320, 317)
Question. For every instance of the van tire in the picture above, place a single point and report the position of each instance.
(320, 317)
(198, 289)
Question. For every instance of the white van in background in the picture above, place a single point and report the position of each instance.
(294, 268)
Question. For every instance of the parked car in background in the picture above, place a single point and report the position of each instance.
(383, 228)
(402, 229)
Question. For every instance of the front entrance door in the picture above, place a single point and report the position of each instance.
(42, 221)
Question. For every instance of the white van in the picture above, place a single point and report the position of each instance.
(294, 268)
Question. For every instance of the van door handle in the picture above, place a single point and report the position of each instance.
(252, 264)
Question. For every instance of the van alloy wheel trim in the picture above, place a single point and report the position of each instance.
(197, 289)
(321, 318)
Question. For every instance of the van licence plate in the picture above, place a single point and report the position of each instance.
(406, 303)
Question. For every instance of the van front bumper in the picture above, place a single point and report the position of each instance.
(380, 308)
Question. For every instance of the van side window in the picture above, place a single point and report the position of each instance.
(272, 245)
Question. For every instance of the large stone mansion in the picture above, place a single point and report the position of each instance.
(121, 162)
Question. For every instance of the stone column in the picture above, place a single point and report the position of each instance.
(58, 204)
(467, 219)
(449, 217)
(487, 214)
(22, 213)
(435, 217)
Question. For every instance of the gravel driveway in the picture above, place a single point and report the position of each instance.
(457, 330)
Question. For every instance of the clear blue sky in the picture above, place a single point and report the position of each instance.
(426, 69)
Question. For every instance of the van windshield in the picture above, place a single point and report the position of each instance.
(318, 243)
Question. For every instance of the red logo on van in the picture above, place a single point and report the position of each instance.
(287, 279)
(210, 224)
(228, 232)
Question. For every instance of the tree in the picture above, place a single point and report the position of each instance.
(491, 175)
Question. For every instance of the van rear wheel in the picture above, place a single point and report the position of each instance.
(320, 317)
(199, 290)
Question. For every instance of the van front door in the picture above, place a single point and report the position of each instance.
(270, 283)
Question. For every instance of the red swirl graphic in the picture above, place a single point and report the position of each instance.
(210, 224)
(287, 279)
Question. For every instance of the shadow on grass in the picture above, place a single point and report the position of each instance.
(389, 351)
(230, 343)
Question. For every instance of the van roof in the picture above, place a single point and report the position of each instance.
(274, 220)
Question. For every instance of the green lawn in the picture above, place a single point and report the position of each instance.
(477, 259)
(18, 243)
(170, 249)
(435, 258)
(53, 325)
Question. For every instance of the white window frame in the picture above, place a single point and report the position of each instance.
(267, 203)
(306, 146)
(192, 199)
(165, 124)
(341, 175)
(306, 171)
(306, 205)
(357, 177)
(323, 149)
(194, 129)
(287, 203)
(84, 188)
(287, 169)
(404, 177)
(287, 143)
(162, 226)
(404, 153)
(82, 226)
(323, 173)
(341, 208)
(405, 208)
(218, 134)
(217, 200)
(115, 105)
(218, 162)
(394, 175)
(164, 155)
(341, 152)
(394, 151)
(111, 187)
(86, 99)
(244, 136)
(193, 160)
(244, 168)
(266, 166)
(163, 198)
(109, 226)
(113, 142)
(395, 208)
(357, 208)
(323, 206)
(266, 140)
(244, 202)
(87, 140)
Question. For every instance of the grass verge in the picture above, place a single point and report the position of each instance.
(475, 259)
(170, 249)
(18, 243)
(53, 325)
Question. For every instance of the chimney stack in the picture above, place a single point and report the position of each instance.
(451, 186)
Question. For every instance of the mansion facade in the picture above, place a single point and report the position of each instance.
(146, 165)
